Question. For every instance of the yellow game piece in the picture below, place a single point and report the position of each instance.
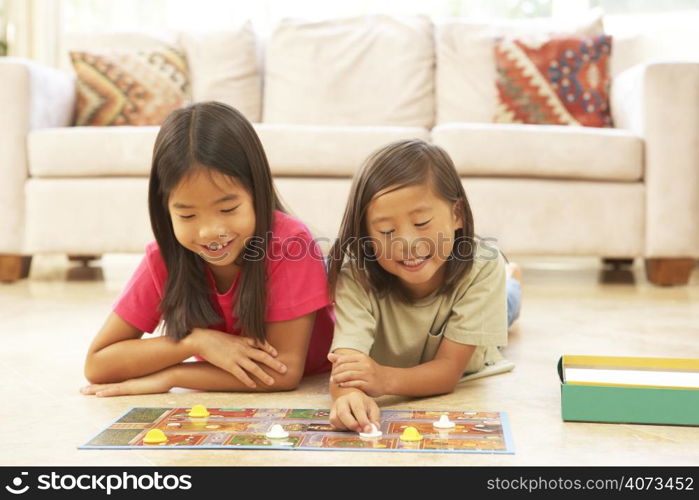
(155, 436)
(410, 434)
(198, 411)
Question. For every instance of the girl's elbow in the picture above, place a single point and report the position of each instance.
(289, 382)
(449, 385)
(91, 371)
(94, 376)
(98, 375)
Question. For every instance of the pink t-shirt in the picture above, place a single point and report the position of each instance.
(297, 285)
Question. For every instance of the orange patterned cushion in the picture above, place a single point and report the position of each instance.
(129, 88)
(562, 81)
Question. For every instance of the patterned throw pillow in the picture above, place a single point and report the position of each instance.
(129, 88)
(560, 81)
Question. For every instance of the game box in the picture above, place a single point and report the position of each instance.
(629, 390)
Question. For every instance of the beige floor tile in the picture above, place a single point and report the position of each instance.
(47, 322)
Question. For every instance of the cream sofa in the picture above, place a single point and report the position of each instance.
(324, 95)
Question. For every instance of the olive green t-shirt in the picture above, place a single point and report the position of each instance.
(398, 334)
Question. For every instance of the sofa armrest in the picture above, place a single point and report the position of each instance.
(660, 102)
(33, 96)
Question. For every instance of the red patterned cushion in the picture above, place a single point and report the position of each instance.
(562, 81)
(129, 88)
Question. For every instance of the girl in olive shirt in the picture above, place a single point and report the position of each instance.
(419, 300)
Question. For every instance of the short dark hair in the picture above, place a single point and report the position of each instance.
(212, 136)
(400, 164)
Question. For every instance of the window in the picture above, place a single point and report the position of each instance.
(38, 28)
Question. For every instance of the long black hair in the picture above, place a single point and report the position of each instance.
(216, 136)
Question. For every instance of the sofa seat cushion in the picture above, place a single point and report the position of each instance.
(298, 150)
(549, 151)
(91, 151)
(305, 150)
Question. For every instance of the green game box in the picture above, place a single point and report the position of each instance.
(629, 390)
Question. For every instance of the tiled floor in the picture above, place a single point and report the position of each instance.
(46, 323)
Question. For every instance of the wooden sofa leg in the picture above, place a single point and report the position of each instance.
(84, 271)
(669, 272)
(14, 267)
(84, 259)
(617, 263)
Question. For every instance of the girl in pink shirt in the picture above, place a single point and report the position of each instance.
(236, 281)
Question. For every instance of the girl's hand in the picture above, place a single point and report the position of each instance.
(240, 356)
(355, 411)
(150, 384)
(358, 370)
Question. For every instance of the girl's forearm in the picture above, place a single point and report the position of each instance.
(438, 376)
(203, 376)
(135, 358)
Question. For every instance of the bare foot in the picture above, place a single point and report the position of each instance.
(514, 271)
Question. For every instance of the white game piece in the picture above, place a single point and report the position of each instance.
(444, 423)
(277, 432)
(375, 433)
(481, 428)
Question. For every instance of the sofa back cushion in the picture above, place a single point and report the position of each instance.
(466, 74)
(224, 67)
(372, 70)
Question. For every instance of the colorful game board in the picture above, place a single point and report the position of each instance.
(309, 429)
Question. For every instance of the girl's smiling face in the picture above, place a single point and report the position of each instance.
(412, 233)
(212, 215)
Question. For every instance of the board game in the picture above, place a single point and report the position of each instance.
(303, 429)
